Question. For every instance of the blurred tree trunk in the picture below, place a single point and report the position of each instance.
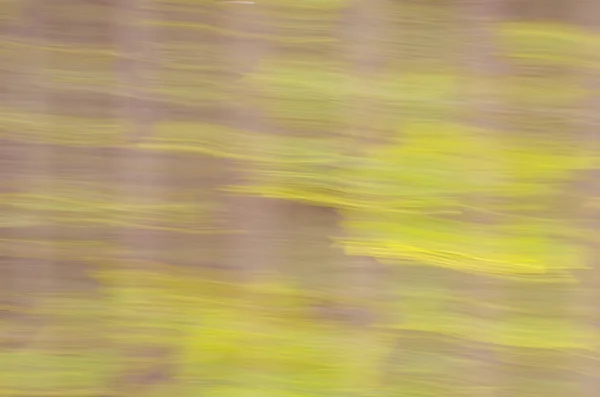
(137, 65)
(142, 179)
(251, 250)
(482, 108)
(32, 271)
(9, 32)
(586, 190)
(141, 174)
(362, 285)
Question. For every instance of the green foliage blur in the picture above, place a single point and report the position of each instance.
(411, 187)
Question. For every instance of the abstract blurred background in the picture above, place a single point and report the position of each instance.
(299, 198)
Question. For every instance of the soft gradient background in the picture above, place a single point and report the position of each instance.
(296, 198)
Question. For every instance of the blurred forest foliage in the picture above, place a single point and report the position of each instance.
(299, 198)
